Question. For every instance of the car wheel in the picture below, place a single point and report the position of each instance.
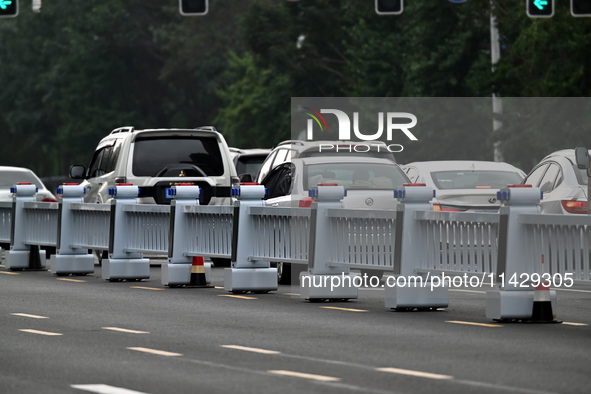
(221, 262)
(378, 274)
(283, 273)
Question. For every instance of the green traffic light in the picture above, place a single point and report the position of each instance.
(4, 4)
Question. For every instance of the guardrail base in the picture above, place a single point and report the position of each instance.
(318, 287)
(129, 269)
(16, 260)
(411, 297)
(512, 304)
(77, 264)
(174, 275)
(250, 279)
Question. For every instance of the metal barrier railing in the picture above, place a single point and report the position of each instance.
(458, 242)
(5, 221)
(560, 244)
(91, 224)
(209, 232)
(147, 228)
(362, 238)
(41, 223)
(283, 234)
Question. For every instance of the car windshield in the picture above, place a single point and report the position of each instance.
(250, 164)
(153, 155)
(11, 178)
(445, 180)
(355, 175)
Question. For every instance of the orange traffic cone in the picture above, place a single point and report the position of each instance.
(542, 308)
(198, 273)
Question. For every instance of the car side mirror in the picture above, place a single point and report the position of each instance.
(582, 158)
(77, 172)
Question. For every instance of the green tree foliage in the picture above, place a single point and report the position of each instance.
(80, 68)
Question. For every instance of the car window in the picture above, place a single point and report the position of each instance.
(282, 157)
(249, 164)
(173, 156)
(94, 169)
(445, 180)
(266, 167)
(536, 175)
(548, 181)
(365, 176)
(412, 174)
(110, 158)
(279, 181)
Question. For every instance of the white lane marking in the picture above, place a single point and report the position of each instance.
(8, 273)
(104, 389)
(575, 290)
(574, 324)
(40, 332)
(144, 288)
(125, 330)
(410, 372)
(344, 309)
(468, 291)
(155, 351)
(72, 280)
(31, 316)
(320, 378)
(251, 349)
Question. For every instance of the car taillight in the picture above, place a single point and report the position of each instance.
(572, 206)
(441, 208)
(306, 202)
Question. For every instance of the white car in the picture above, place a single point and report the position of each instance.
(563, 184)
(369, 182)
(463, 185)
(10, 176)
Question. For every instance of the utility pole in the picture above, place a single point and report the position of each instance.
(497, 104)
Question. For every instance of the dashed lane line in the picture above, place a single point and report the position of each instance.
(30, 331)
(250, 349)
(104, 389)
(411, 372)
(8, 273)
(237, 296)
(28, 315)
(72, 280)
(469, 323)
(155, 351)
(125, 330)
(145, 288)
(344, 309)
(309, 376)
(574, 324)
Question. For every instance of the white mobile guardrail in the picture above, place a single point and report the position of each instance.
(410, 242)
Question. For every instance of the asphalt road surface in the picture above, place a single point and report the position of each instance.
(81, 334)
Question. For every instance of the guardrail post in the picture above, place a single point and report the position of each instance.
(122, 264)
(321, 281)
(21, 255)
(69, 260)
(419, 291)
(177, 272)
(247, 274)
(509, 300)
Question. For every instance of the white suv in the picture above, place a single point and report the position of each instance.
(155, 159)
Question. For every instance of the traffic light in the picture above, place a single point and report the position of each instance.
(539, 8)
(8, 8)
(389, 7)
(192, 7)
(580, 7)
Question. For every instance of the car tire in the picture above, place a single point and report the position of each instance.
(221, 262)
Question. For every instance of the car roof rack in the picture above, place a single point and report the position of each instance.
(124, 129)
(209, 128)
